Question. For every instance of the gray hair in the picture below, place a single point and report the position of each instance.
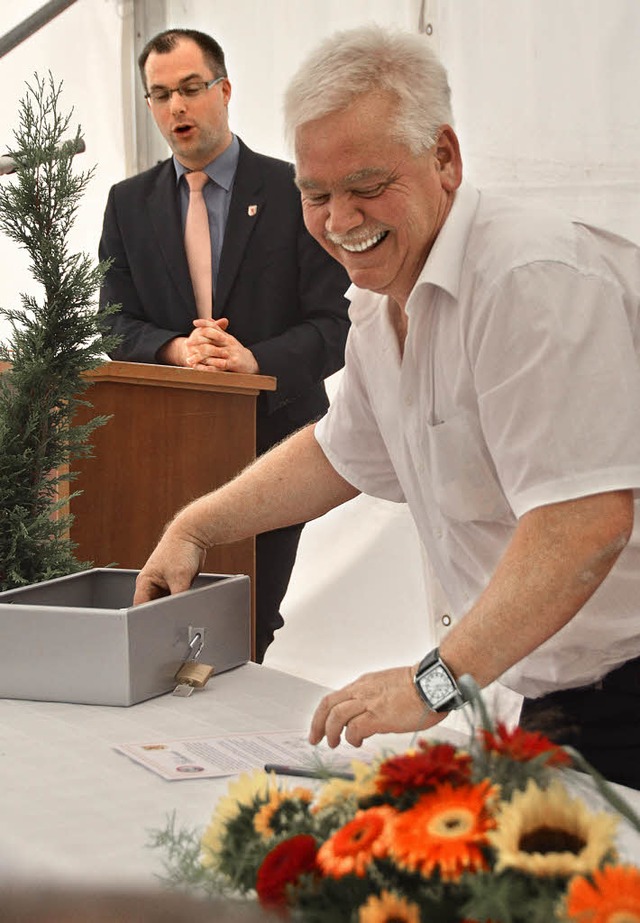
(357, 61)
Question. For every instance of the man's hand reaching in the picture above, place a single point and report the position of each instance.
(174, 563)
(376, 703)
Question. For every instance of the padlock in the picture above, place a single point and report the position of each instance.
(194, 674)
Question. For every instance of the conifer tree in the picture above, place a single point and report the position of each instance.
(54, 340)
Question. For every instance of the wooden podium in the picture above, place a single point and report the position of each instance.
(173, 434)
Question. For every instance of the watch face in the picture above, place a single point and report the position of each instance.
(437, 686)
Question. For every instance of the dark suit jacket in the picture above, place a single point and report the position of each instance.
(281, 291)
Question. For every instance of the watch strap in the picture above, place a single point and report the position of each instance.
(433, 659)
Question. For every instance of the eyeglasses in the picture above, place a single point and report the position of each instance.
(158, 96)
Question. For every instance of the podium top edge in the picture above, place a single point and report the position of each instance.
(171, 375)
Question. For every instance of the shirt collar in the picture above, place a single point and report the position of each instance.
(221, 170)
(443, 265)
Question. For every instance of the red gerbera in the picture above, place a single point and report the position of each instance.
(427, 767)
(523, 746)
(283, 866)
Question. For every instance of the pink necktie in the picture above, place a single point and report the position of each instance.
(197, 243)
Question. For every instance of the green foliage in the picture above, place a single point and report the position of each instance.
(53, 341)
(183, 867)
(243, 851)
(513, 897)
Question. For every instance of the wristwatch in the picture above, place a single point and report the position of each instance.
(436, 684)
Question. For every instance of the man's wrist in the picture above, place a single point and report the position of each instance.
(186, 526)
(173, 352)
(436, 684)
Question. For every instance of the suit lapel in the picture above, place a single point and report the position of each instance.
(164, 214)
(247, 200)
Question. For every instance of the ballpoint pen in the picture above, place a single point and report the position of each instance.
(325, 773)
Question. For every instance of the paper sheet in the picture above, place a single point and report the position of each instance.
(209, 757)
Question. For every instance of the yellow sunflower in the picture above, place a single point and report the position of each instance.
(351, 848)
(241, 791)
(388, 908)
(545, 832)
(612, 896)
(445, 830)
(263, 818)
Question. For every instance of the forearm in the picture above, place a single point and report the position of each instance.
(291, 483)
(558, 557)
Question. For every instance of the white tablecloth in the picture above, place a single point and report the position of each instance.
(72, 809)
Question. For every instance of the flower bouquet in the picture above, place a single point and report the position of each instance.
(487, 834)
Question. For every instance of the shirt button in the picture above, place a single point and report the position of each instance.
(446, 620)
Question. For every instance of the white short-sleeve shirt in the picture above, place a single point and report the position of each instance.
(519, 387)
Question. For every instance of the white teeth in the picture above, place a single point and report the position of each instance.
(363, 245)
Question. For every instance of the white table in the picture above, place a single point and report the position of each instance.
(74, 810)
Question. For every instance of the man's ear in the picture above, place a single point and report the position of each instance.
(448, 158)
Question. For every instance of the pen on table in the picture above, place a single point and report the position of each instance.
(327, 773)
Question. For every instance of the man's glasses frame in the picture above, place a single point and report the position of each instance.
(190, 89)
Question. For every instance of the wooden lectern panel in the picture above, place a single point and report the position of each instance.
(173, 434)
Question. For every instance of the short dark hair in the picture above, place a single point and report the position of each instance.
(166, 41)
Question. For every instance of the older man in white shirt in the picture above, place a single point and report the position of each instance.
(492, 383)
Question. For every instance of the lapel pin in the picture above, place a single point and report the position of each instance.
(252, 211)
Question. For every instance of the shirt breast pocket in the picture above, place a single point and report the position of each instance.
(464, 480)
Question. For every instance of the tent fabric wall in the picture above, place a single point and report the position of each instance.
(83, 49)
(265, 42)
(546, 101)
(545, 104)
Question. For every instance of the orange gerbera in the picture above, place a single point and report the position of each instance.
(611, 896)
(263, 820)
(388, 908)
(445, 830)
(523, 746)
(351, 848)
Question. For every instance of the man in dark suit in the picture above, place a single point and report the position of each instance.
(278, 305)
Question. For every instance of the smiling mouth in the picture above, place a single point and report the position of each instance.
(361, 246)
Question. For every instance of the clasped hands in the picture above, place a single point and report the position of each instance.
(210, 348)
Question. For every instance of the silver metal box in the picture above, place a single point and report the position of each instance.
(80, 639)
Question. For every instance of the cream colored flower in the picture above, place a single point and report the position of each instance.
(336, 791)
(242, 791)
(546, 832)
